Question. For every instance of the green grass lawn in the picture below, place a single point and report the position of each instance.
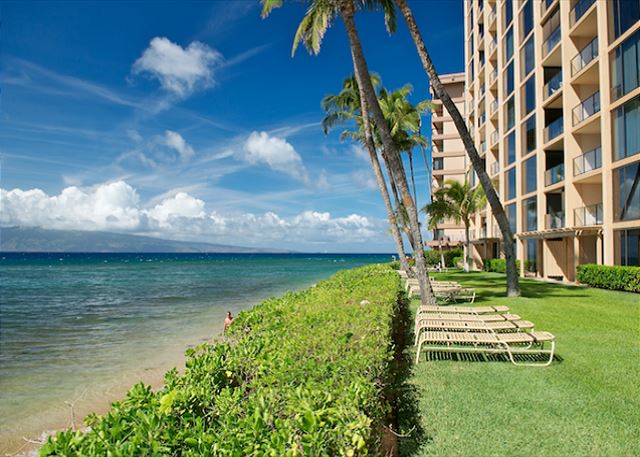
(587, 403)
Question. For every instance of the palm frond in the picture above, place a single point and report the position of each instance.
(268, 6)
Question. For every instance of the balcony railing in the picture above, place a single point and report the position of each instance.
(553, 130)
(483, 147)
(493, 107)
(555, 220)
(590, 160)
(495, 136)
(553, 86)
(492, 15)
(546, 4)
(482, 89)
(586, 108)
(482, 118)
(495, 168)
(586, 55)
(493, 76)
(554, 174)
(493, 44)
(552, 40)
(579, 9)
(588, 215)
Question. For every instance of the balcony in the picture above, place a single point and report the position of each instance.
(493, 108)
(553, 130)
(493, 77)
(554, 175)
(482, 118)
(492, 17)
(546, 4)
(581, 7)
(552, 40)
(493, 45)
(588, 215)
(586, 55)
(553, 86)
(586, 108)
(555, 220)
(495, 136)
(483, 147)
(590, 160)
(495, 168)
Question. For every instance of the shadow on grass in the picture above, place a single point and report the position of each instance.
(435, 356)
(412, 436)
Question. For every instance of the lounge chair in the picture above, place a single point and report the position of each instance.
(463, 309)
(490, 342)
(429, 323)
(488, 318)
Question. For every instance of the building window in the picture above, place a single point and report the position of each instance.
(511, 148)
(629, 242)
(508, 13)
(626, 134)
(510, 80)
(530, 178)
(511, 183)
(527, 57)
(527, 19)
(511, 215)
(530, 95)
(625, 67)
(531, 214)
(623, 14)
(532, 256)
(508, 45)
(530, 134)
(438, 163)
(511, 114)
(628, 190)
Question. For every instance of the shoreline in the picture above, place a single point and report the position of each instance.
(19, 445)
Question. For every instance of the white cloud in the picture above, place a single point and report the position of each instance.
(360, 152)
(277, 153)
(179, 70)
(364, 179)
(175, 141)
(116, 206)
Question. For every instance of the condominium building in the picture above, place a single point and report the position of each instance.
(553, 100)
(448, 156)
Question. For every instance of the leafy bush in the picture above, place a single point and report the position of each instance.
(432, 257)
(450, 255)
(499, 265)
(610, 277)
(303, 374)
(457, 261)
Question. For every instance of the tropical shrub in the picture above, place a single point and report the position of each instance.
(610, 277)
(304, 374)
(499, 265)
(431, 257)
(457, 261)
(450, 255)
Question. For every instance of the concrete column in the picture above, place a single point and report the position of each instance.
(599, 259)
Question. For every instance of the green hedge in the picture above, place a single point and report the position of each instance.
(304, 374)
(610, 277)
(500, 265)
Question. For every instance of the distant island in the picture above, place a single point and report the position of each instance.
(18, 239)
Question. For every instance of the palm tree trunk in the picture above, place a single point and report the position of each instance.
(399, 207)
(413, 179)
(390, 152)
(467, 248)
(377, 171)
(513, 286)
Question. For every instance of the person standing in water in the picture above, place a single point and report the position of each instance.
(228, 320)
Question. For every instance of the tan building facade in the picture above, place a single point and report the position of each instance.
(553, 98)
(449, 159)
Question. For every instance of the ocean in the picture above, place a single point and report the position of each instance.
(77, 330)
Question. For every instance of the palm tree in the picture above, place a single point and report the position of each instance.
(345, 107)
(311, 30)
(405, 120)
(513, 286)
(457, 201)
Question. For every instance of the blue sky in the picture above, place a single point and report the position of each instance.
(190, 120)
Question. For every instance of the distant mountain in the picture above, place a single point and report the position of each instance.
(15, 239)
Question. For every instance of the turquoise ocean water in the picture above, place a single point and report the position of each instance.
(77, 330)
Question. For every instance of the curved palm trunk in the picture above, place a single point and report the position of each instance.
(367, 92)
(513, 286)
(413, 179)
(377, 171)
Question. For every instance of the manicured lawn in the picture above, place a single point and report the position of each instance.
(587, 403)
